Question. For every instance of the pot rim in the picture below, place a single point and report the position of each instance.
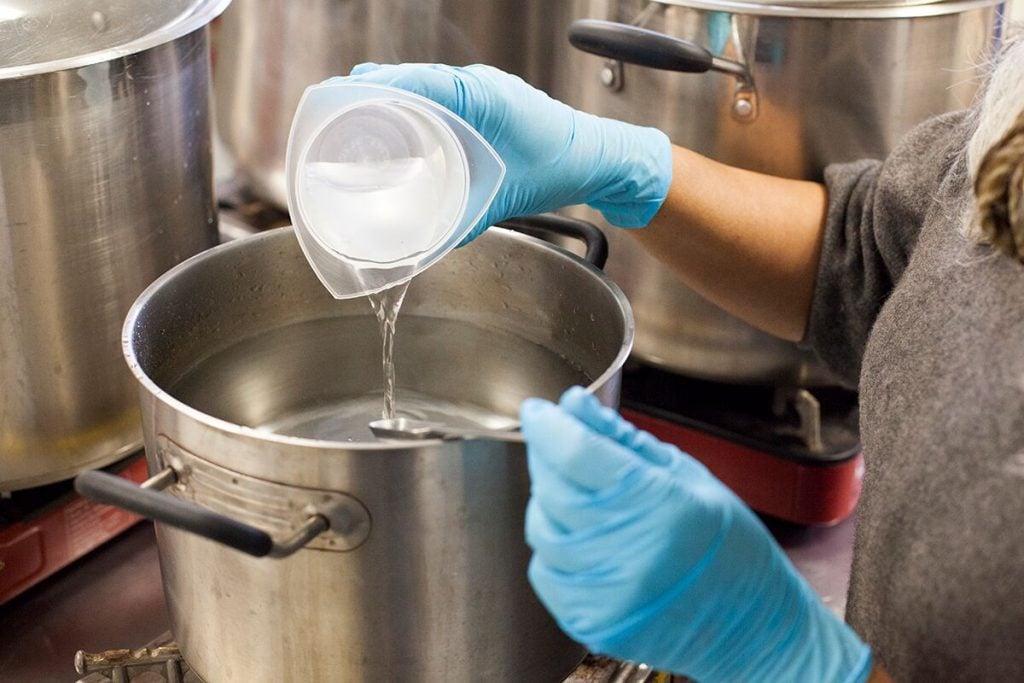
(838, 9)
(160, 394)
(201, 13)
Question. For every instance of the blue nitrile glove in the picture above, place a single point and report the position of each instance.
(555, 155)
(642, 554)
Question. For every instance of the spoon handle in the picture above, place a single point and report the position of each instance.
(491, 434)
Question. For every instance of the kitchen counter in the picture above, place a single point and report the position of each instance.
(113, 598)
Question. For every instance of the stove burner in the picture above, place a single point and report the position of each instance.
(788, 452)
(161, 662)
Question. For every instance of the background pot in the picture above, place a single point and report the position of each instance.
(268, 51)
(105, 183)
(794, 86)
(414, 565)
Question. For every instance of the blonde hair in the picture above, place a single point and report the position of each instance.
(998, 190)
(995, 155)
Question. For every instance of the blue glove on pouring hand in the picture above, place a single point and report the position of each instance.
(555, 156)
(642, 554)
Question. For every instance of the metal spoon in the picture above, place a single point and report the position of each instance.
(404, 428)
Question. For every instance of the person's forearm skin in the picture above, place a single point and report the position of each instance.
(746, 241)
(879, 675)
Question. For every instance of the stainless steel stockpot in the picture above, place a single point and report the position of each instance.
(399, 561)
(105, 183)
(789, 88)
(268, 51)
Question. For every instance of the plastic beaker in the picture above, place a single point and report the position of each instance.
(382, 183)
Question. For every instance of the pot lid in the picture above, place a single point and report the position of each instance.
(838, 9)
(42, 36)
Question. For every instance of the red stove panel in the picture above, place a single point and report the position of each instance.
(795, 491)
(60, 532)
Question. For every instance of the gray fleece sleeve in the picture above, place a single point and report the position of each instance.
(876, 210)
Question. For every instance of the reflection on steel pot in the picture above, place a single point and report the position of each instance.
(790, 87)
(402, 560)
(268, 51)
(105, 183)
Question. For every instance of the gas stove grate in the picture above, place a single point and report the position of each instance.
(161, 662)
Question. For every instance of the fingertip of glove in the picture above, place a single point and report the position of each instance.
(586, 408)
(365, 67)
(533, 408)
(581, 404)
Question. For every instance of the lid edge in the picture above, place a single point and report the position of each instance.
(197, 17)
(816, 9)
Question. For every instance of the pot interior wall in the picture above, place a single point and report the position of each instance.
(247, 334)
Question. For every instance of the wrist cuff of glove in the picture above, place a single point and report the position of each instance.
(641, 180)
(862, 670)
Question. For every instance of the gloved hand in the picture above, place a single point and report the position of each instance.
(642, 554)
(555, 156)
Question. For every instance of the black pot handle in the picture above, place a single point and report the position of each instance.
(160, 507)
(119, 492)
(544, 226)
(641, 46)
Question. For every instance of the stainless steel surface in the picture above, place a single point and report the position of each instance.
(837, 9)
(809, 410)
(44, 36)
(294, 517)
(268, 51)
(828, 90)
(438, 590)
(105, 183)
(404, 428)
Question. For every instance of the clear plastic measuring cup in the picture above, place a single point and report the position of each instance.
(382, 183)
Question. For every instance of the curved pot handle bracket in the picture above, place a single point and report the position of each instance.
(544, 226)
(335, 522)
(654, 50)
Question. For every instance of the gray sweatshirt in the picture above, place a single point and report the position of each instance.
(933, 326)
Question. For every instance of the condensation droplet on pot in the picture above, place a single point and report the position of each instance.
(99, 21)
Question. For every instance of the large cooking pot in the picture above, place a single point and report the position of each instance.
(269, 51)
(789, 87)
(105, 183)
(405, 560)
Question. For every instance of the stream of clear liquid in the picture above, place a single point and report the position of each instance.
(386, 305)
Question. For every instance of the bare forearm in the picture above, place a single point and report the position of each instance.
(749, 242)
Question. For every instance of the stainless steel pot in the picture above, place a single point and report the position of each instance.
(105, 183)
(790, 87)
(405, 560)
(268, 51)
